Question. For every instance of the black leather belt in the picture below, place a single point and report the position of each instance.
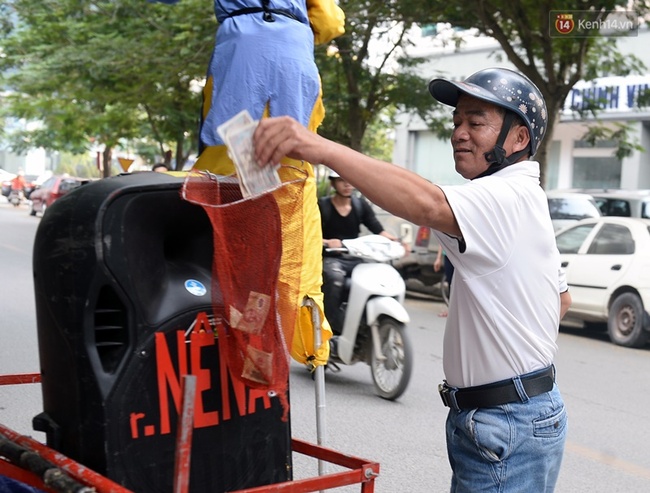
(498, 393)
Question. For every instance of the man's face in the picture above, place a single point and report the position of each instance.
(476, 128)
(342, 187)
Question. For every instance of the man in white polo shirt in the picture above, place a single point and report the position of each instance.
(507, 424)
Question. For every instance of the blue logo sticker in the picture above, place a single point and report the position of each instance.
(195, 287)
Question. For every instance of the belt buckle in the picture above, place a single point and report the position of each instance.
(448, 395)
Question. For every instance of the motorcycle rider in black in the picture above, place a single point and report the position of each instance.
(342, 215)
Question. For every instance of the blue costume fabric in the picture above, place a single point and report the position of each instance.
(252, 66)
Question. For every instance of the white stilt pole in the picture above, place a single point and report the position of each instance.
(319, 378)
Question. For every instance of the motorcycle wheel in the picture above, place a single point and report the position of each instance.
(391, 375)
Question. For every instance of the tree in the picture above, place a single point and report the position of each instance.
(81, 60)
(104, 72)
(554, 64)
(366, 77)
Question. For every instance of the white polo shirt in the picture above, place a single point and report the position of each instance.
(504, 308)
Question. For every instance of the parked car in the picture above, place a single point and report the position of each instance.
(416, 267)
(607, 262)
(569, 207)
(623, 203)
(52, 189)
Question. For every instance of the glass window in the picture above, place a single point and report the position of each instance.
(618, 207)
(645, 210)
(596, 172)
(602, 205)
(612, 239)
(599, 144)
(67, 185)
(574, 208)
(553, 165)
(571, 240)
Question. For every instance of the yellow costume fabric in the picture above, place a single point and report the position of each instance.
(301, 263)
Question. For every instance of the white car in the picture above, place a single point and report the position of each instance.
(567, 207)
(607, 262)
(624, 203)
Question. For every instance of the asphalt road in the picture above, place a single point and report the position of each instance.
(606, 389)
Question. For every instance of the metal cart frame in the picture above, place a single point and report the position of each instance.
(37, 465)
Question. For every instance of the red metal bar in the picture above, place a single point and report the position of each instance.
(184, 435)
(77, 471)
(363, 472)
(22, 475)
(20, 378)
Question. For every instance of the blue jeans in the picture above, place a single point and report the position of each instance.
(515, 447)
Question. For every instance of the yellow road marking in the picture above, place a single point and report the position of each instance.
(609, 460)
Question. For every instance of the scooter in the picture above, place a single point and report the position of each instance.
(374, 327)
(16, 197)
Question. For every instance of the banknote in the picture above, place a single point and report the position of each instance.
(253, 178)
(239, 120)
(255, 312)
(258, 365)
(254, 315)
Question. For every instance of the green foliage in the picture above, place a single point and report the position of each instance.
(77, 165)
(365, 76)
(147, 151)
(323, 187)
(377, 140)
(99, 72)
(106, 72)
(619, 133)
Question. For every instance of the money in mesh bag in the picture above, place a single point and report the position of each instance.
(237, 133)
(258, 365)
(254, 316)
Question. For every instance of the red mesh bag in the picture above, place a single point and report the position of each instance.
(247, 235)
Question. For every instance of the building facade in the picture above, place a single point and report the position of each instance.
(572, 162)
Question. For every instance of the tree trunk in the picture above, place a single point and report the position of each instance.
(554, 105)
(180, 158)
(167, 159)
(107, 157)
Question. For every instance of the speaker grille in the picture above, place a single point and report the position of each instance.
(110, 328)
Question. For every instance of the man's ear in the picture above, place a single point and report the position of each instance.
(521, 138)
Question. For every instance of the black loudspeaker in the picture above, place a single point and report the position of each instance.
(122, 277)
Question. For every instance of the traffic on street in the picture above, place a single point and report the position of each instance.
(604, 385)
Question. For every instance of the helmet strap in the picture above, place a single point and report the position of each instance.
(497, 156)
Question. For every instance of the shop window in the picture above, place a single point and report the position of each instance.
(596, 172)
